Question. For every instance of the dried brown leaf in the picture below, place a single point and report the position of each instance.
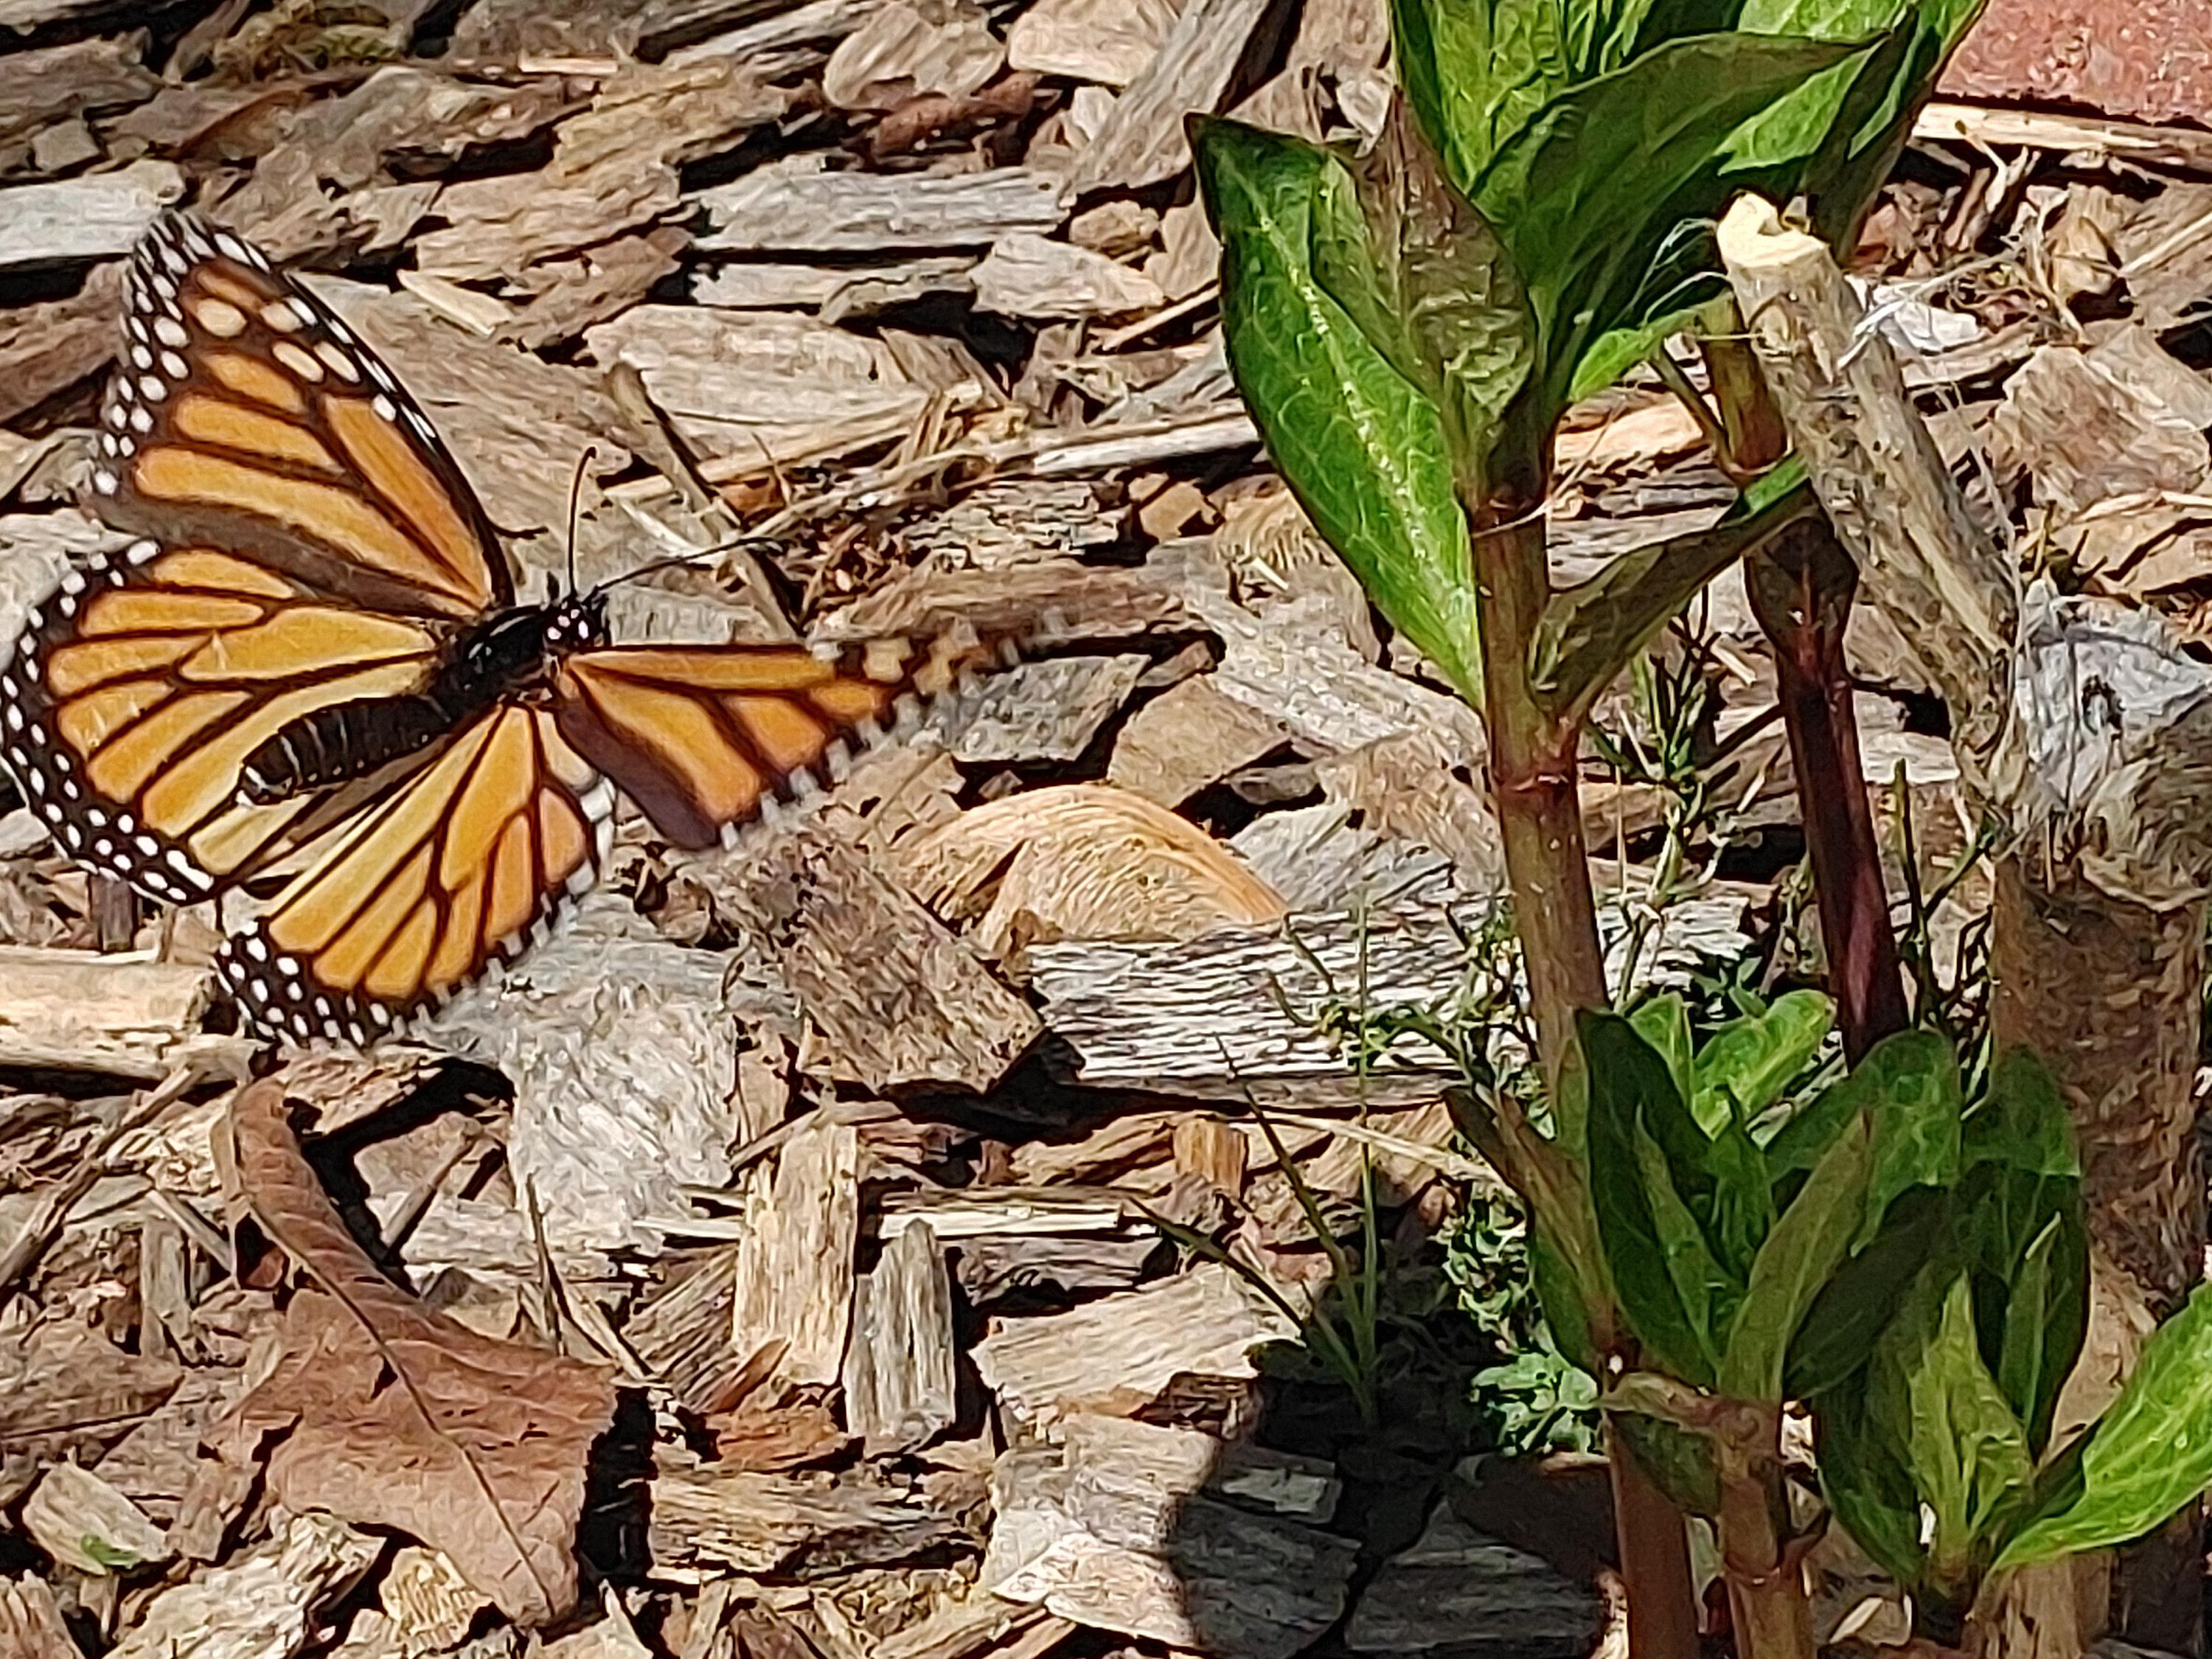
(394, 1416)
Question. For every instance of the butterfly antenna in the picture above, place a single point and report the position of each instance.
(576, 496)
(698, 555)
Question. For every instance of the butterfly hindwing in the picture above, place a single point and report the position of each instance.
(703, 737)
(146, 677)
(465, 864)
(245, 415)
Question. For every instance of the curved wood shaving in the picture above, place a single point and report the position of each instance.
(394, 1416)
(1083, 861)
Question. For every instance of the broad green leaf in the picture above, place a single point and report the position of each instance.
(1963, 1446)
(1664, 1023)
(1360, 446)
(2022, 1122)
(1909, 1084)
(1566, 1299)
(2150, 1452)
(1866, 1485)
(1799, 1258)
(1796, 124)
(1616, 350)
(1624, 1071)
(1747, 1063)
(1476, 71)
(1589, 632)
(1682, 1245)
(2022, 1223)
(2034, 1352)
(1876, 117)
(1836, 1338)
(1428, 285)
(1590, 193)
(1916, 1107)
(1739, 1214)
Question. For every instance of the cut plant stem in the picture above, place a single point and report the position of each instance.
(1801, 586)
(1538, 805)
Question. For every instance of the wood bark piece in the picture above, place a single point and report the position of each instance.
(762, 386)
(792, 1294)
(76, 79)
(31, 1622)
(1046, 711)
(837, 291)
(1241, 1009)
(87, 1525)
(1190, 736)
(796, 204)
(1081, 861)
(2085, 434)
(901, 1382)
(622, 1051)
(328, 180)
(1456, 1582)
(126, 1014)
(96, 216)
(49, 347)
(901, 52)
(899, 1000)
(802, 1522)
(1142, 141)
(614, 169)
(1026, 275)
(1120, 1353)
(260, 1606)
(1106, 41)
(64, 1389)
(1124, 1527)
(404, 1418)
(2088, 135)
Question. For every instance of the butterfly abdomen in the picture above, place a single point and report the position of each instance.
(340, 744)
(347, 741)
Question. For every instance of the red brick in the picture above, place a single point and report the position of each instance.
(2136, 60)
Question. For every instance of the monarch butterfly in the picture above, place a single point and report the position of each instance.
(313, 667)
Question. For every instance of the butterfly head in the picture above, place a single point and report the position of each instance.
(577, 622)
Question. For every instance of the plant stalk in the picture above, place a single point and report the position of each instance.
(1533, 757)
(1767, 1601)
(1802, 586)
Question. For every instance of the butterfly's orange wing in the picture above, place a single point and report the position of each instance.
(702, 738)
(244, 415)
(144, 679)
(465, 864)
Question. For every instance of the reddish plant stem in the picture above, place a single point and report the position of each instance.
(1532, 758)
(1801, 586)
(1801, 590)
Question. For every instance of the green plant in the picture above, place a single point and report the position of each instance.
(1407, 329)
(1534, 1399)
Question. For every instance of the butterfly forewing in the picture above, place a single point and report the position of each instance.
(465, 864)
(702, 737)
(144, 680)
(245, 415)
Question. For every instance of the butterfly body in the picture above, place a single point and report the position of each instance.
(508, 656)
(311, 674)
